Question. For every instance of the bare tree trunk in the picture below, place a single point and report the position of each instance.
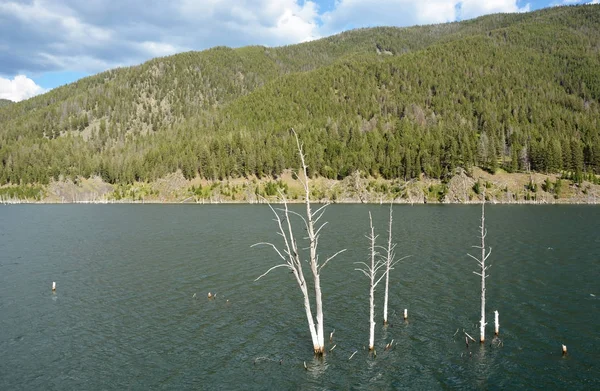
(314, 261)
(291, 256)
(482, 274)
(388, 267)
(496, 323)
(372, 289)
(370, 271)
(390, 262)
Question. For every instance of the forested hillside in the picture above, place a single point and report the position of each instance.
(5, 102)
(517, 91)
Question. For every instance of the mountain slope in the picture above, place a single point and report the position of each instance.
(516, 91)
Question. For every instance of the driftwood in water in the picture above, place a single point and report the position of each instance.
(389, 345)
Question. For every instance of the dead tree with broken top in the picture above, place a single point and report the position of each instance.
(290, 253)
(388, 266)
(390, 262)
(370, 270)
(482, 271)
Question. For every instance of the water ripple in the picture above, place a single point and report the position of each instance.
(131, 308)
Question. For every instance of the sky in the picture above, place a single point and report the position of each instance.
(48, 43)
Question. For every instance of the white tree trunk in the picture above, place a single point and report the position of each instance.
(483, 270)
(370, 271)
(309, 317)
(482, 273)
(385, 300)
(388, 267)
(314, 262)
(291, 256)
(372, 290)
(482, 321)
(496, 323)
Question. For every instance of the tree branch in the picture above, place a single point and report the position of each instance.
(274, 267)
(272, 245)
(330, 258)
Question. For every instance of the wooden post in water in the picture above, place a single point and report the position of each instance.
(53, 286)
(496, 322)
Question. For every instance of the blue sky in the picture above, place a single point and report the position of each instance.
(48, 43)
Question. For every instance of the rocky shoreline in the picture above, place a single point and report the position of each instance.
(462, 188)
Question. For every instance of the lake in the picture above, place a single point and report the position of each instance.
(131, 310)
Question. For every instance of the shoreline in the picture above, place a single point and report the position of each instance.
(299, 202)
(463, 188)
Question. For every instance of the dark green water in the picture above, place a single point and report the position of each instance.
(124, 316)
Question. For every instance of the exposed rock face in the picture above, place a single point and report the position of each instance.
(459, 188)
(80, 190)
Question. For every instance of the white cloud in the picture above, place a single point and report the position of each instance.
(473, 8)
(76, 62)
(91, 36)
(267, 22)
(158, 49)
(19, 88)
(349, 14)
(56, 20)
(363, 13)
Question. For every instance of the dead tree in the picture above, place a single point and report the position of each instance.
(390, 262)
(483, 271)
(290, 254)
(370, 271)
(388, 266)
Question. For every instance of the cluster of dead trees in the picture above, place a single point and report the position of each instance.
(382, 260)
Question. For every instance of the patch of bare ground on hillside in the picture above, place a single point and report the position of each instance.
(506, 187)
(465, 186)
(92, 189)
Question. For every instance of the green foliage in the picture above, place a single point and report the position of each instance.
(548, 186)
(531, 186)
(136, 192)
(22, 192)
(518, 91)
(272, 188)
(437, 192)
(555, 188)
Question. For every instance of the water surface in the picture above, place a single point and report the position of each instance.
(124, 315)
